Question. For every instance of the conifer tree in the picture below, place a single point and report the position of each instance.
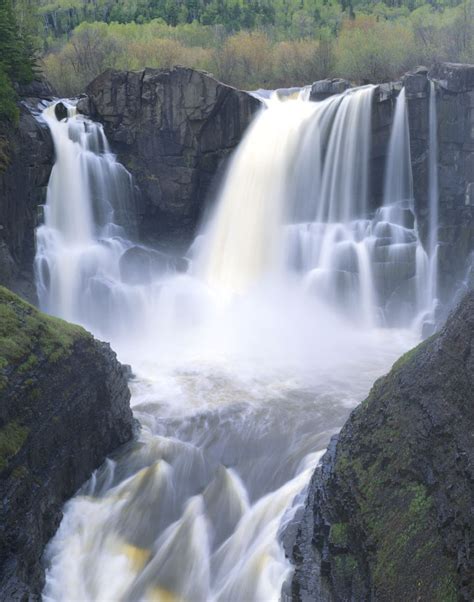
(17, 63)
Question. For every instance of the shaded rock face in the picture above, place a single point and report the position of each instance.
(64, 405)
(28, 158)
(389, 512)
(454, 86)
(172, 130)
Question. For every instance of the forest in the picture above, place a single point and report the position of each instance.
(245, 43)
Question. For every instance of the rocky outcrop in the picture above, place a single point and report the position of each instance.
(64, 405)
(325, 88)
(172, 130)
(389, 512)
(454, 88)
(26, 159)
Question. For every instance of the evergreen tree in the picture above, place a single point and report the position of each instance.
(16, 60)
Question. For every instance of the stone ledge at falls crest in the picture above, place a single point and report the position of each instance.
(64, 405)
(389, 512)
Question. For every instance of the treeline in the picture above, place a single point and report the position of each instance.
(359, 46)
(287, 19)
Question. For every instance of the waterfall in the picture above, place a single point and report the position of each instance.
(398, 183)
(433, 194)
(241, 244)
(298, 160)
(246, 363)
(87, 267)
(296, 200)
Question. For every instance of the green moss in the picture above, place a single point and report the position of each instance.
(28, 337)
(12, 438)
(409, 355)
(20, 472)
(29, 363)
(4, 153)
(396, 515)
(345, 566)
(338, 535)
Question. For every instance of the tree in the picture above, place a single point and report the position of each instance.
(17, 64)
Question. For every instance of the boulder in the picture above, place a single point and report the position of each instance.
(64, 405)
(325, 88)
(60, 110)
(141, 265)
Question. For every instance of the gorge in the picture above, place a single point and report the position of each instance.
(257, 294)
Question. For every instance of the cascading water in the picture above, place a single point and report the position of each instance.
(245, 365)
(408, 291)
(87, 269)
(433, 195)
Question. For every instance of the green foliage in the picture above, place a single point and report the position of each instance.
(338, 534)
(16, 60)
(27, 336)
(374, 50)
(12, 438)
(8, 106)
(281, 44)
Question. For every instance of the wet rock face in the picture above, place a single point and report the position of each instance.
(389, 512)
(64, 405)
(454, 85)
(172, 130)
(26, 160)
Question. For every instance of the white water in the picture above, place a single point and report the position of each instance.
(244, 366)
(433, 195)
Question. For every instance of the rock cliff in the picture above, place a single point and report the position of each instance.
(171, 129)
(26, 160)
(389, 512)
(64, 405)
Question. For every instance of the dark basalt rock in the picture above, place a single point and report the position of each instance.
(325, 88)
(454, 89)
(172, 129)
(64, 405)
(60, 110)
(454, 77)
(26, 160)
(389, 513)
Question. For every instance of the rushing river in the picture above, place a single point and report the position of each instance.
(245, 363)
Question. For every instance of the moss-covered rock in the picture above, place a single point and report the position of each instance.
(389, 514)
(64, 405)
